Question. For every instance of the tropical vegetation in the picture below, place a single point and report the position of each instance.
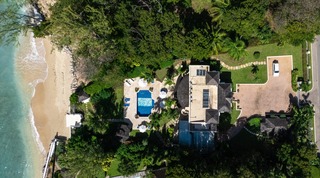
(111, 40)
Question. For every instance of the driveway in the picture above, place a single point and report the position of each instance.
(274, 95)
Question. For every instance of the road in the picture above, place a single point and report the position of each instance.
(315, 92)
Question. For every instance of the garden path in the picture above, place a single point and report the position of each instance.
(243, 65)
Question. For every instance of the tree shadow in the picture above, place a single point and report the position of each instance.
(171, 71)
(214, 64)
(224, 122)
(225, 77)
(293, 100)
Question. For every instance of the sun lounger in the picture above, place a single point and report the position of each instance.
(126, 100)
(127, 83)
(126, 104)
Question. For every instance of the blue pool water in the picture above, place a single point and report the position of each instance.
(145, 103)
(200, 140)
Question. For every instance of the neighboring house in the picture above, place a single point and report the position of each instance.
(73, 120)
(273, 125)
(83, 98)
(123, 132)
(203, 97)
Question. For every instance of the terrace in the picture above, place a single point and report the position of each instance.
(142, 99)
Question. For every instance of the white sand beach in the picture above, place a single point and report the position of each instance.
(51, 101)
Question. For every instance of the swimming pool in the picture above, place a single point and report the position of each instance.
(145, 103)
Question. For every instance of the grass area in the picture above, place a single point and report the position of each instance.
(234, 114)
(312, 131)
(266, 50)
(133, 133)
(254, 125)
(254, 122)
(306, 63)
(246, 76)
(161, 74)
(315, 172)
(119, 94)
(113, 170)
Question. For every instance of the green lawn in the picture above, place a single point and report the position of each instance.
(161, 74)
(133, 133)
(266, 50)
(119, 93)
(234, 114)
(113, 171)
(254, 122)
(312, 131)
(315, 172)
(254, 125)
(246, 76)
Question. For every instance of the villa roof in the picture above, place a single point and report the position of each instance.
(212, 78)
(224, 97)
(183, 92)
(83, 96)
(212, 116)
(73, 120)
(271, 123)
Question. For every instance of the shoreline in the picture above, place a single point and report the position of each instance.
(50, 101)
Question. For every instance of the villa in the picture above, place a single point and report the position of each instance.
(202, 97)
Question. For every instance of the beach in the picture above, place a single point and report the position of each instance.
(51, 100)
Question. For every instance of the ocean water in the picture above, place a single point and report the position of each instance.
(21, 68)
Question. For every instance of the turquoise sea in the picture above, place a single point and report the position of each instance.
(21, 68)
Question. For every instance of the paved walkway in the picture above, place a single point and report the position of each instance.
(249, 64)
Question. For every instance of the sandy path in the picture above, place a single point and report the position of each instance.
(51, 100)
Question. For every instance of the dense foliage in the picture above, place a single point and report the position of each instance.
(114, 39)
(146, 33)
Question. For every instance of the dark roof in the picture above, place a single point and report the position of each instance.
(224, 97)
(123, 132)
(83, 96)
(183, 92)
(271, 123)
(212, 116)
(212, 78)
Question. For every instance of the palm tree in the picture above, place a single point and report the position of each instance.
(254, 69)
(217, 38)
(169, 81)
(148, 76)
(236, 49)
(218, 10)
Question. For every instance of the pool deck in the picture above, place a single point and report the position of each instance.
(130, 92)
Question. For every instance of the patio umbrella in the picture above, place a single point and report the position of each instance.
(163, 94)
(142, 128)
(142, 83)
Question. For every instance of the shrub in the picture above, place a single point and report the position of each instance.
(294, 76)
(93, 88)
(74, 98)
(165, 64)
(256, 54)
(41, 30)
(137, 71)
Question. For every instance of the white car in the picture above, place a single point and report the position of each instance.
(275, 68)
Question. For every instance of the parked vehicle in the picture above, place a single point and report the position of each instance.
(275, 68)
